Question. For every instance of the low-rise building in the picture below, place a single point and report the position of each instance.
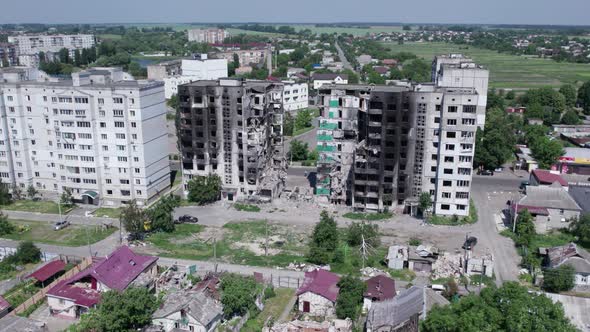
(581, 194)
(364, 59)
(569, 254)
(192, 311)
(246, 57)
(574, 161)
(541, 177)
(397, 257)
(403, 312)
(379, 288)
(318, 294)
(516, 110)
(329, 78)
(295, 96)
(121, 269)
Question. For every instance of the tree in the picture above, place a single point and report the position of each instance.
(584, 96)
(559, 279)
(350, 297)
(160, 214)
(508, 308)
(525, 228)
(425, 202)
(324, 240)
(32, 192)
(407, 28)
(580, 228)
(27, 253)
(356, 232)
(130, 310)
(204, 189)
(570, 118)
(553, 103)
(510, 95)
(299, 150)
(66, 199)
(133, 218)
(6, 227)
(238, 294)
(236, 61)
(495, 101)
(417, 70)
(77, 58)
(546, 151)
(17, 192)
(570, 94)
(64, 55)
(495, 144)
(173, 102)
(5, 198)
(303, 119)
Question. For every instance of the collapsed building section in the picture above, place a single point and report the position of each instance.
(382, 146)
(233, 128)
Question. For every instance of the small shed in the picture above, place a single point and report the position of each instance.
(48, 271)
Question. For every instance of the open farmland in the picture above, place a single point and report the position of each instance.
(506, 70)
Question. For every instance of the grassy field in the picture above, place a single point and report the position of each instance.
(353, 30)
(506, 70)
(273, 308)
(33, 206)
(241, 243)
(109, 36)
(72, 236)
(107, 212)
(368, 216)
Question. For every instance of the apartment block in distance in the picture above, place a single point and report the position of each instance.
(100, 134)
(210, 36)
(382, 146)
(33, 44)
(234, 128)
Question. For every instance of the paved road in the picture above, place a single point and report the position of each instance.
(490, 194)
(343, 59)
(52, 218)
(309, 137)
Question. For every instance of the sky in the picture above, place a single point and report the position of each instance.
(564, 12)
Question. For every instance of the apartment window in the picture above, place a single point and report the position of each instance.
(464, 171)
(434, 157)
(89, 170)
(448, 171)
(450, 147)
(445, 207)
(124, 181)
(452, 109)
(468, 122)
(433, 168)
(136, 159)
(121, 147)
(122, 170)
(139, 193)
(137, 181)
(66, 112)
(467, 134)
(29, 109)
(86, 158)
(100, 101)
(125, 193)
(102, 114)
(466, 146)
(103, 125)
(83, 124)
(132, 100)
(132, 113)
(65, 99)
(11, 109)
(452, 122)
(37, 174)
(462, 195)
(133, 125)
(134, 136)
(9, 98)
(81, 100)
(461, 207)
(449, 159)
(103, 136)
(118, 100)
(109, 192)
(446, 195)
(464, 159)
(437, 120)
(469, 108)
(69, 146)
(119, 124)
(122, 159)
(447, 183)
(108, 181)
(120, 136)
(85, 135)
(451, 134)
(137, 170)
(105, 148)
(89, 181)
(118, 113)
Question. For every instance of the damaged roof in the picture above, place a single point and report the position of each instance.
(201, 307)
(380, 288)
(569, 254)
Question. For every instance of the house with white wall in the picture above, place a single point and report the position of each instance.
(192, 311)
(318, 294)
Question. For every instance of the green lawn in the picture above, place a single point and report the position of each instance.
(33, 206)
(506, 70)
(71, 236)
(107, 212)
(21, 292)
(237, 246)
(351, 31)
(273, 308)
(246, 207)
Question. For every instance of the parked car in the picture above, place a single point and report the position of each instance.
(135, 236)
(485, 172)
(61, 225)
(187, 219)
(524, 184)
(470, 243)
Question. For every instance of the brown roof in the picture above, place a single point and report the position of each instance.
(380, 288)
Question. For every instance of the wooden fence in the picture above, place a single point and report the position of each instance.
(40, 295)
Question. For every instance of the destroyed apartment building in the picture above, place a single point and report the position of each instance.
(233, 128)
(380, 147)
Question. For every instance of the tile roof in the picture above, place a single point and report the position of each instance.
(48, 270)
(546, 177)
(380, 288)
(321, 282)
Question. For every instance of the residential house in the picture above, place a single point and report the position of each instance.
(552, 207)
(581, 194)
(318, 293)
(188, 311)
(389, 62)
(379, 288)
(574, 161)
(516, 110)
(541, 177)
(381, 70)
(524, 159)
(123, 268)
(329, 78)
(403, 312)
(364, 59)
(421, 258)
(569, 254)
(397, 257)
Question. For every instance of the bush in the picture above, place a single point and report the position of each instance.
(269, 292)
(559, 279)
(204, 189)
(6, 227)
(246, 207)
(27, 252)
(415, 242)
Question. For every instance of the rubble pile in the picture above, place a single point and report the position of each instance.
(447, 266)
(372, 271)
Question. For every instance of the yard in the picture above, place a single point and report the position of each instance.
(506, 70)
(72, 236)
(33, 206)
(273, 308)
(238, 243)
(107, 212)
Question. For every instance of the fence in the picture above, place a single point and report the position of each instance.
(40, 295)
(285, 282)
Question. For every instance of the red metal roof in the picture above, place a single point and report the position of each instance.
(534, 210)
(48, 270)
(321, 282)
(3, 304)
(380, 288)
(546, 177)
(85, 297)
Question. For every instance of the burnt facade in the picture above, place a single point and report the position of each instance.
(234, 129)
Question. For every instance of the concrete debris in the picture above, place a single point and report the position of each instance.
(371, 272)
(447, 266)
(306, 267)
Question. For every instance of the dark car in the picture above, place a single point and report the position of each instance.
(486, 172)
(135, 237)
(187, 219)
(470, 242)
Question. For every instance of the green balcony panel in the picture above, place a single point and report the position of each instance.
(334, 103)
(328, 125)
(325, 138)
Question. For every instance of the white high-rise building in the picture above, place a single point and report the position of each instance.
(33, 44)
(100, 134)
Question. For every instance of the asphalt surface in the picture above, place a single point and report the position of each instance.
(343, 59)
